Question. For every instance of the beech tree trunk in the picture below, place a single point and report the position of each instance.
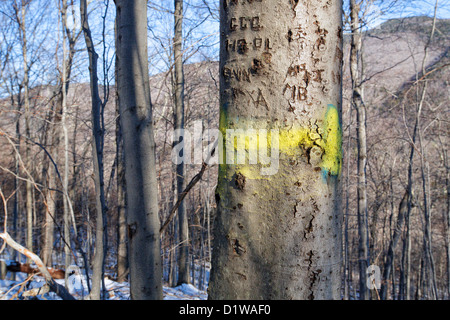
(139, 150)
(178, 94)
(278, 227)
(358, 104)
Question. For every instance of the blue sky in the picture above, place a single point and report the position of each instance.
(202, 29)
(407, 8)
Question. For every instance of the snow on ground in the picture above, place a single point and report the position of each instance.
(184, 292)
(77, 285)
(12, 290)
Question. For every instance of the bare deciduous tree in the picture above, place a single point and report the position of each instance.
(139, 150)
(97, 156)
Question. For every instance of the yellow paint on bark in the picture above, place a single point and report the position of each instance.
(293, 142)
(332, 157)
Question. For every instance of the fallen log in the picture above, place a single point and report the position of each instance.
(15, 266)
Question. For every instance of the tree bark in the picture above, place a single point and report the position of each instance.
(393, 244)
(447, 214)
(278, 228)
(50, 211)
(65, 139)
(139, 150)
(122, 254)
(67, 63)
(21, 21)
(97, 155)
(420, 98)
(178, 95)
(16, 204)
(427, 245)
(358, 104)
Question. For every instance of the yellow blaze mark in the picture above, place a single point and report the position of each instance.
(293, 142)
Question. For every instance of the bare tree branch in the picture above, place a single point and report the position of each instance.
(54, 287)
